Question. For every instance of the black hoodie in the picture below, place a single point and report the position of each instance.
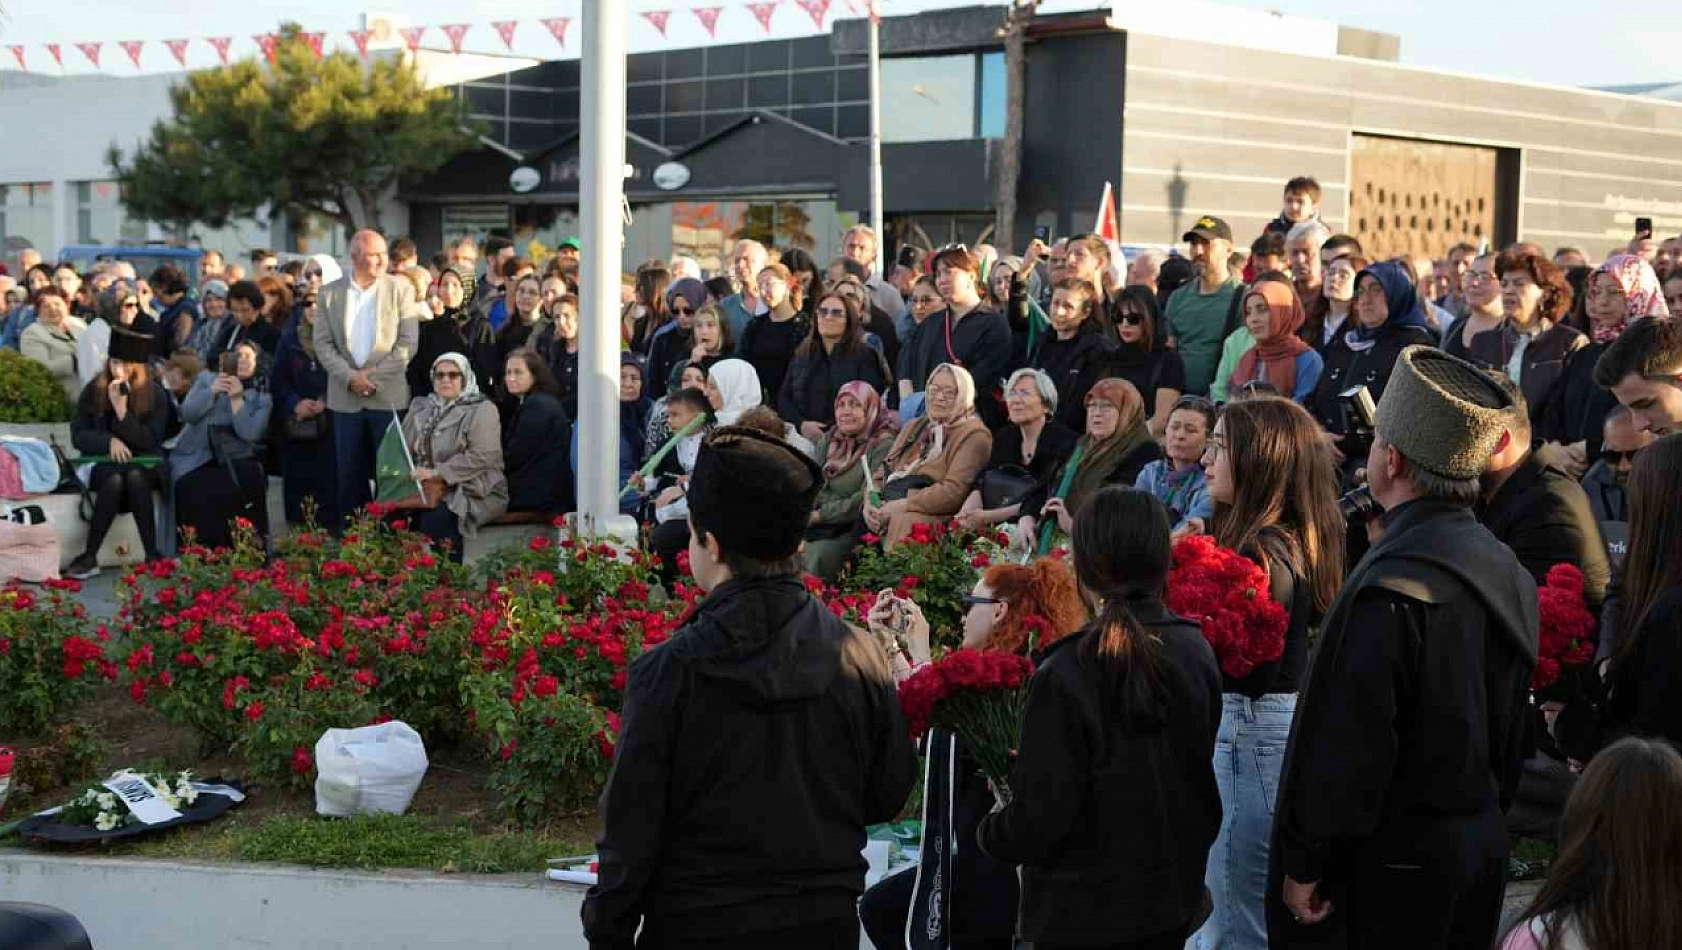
(754, 749)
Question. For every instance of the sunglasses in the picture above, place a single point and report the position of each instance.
(970, 600)
(447, 375)
(1132, 319)
(683, 311)
(131, 303)
(1615, 457)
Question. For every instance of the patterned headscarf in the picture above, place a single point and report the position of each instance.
(1643, 294)
(844, 449)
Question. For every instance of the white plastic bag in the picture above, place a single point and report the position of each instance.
(368, 771)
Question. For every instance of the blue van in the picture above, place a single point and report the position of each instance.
(145, 257)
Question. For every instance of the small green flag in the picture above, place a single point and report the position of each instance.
(394, 468)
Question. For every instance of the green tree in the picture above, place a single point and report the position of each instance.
(330, 136)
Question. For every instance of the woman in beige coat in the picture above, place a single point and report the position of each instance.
(455, 437)
(51, 340)
(933, 464)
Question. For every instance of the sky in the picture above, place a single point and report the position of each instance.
(1547, 41)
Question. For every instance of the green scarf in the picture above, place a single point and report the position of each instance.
(1100, 460)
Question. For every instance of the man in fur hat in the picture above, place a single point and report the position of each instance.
(756, 745)
(1411, 733)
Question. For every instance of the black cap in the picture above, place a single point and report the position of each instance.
(129, 346)
(753, 492)
(1209, 228)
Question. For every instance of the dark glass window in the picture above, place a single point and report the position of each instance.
(852, 85)
(726, 93)
(642, 67)
(685, 64)
(643, 100)
(729, 60)
(527, 136)
(822, 119)
(764, 57)
(530, 105)
(682, 130)
(486, 101)
(647, 128)
(812, 51)
(766, 92)
(813, 88)
(717, 121)
(684, 96)
(853, 122)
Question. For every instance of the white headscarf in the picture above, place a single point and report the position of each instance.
(469, 383)
(330, 269)
(738, 384)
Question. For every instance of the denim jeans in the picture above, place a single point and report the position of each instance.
(1249, 754)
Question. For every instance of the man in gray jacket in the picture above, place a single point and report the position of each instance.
(366, 333)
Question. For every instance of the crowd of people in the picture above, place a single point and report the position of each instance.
(1405, 447)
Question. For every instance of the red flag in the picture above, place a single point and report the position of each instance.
(558, 28)
(659, 18)
(360, 38)
(412, 37)
(132, 48)
(18, 52)
(505, 29)
(816, 9)
(178, 49)
(1109, 223)
(266, 43)
(58, 54)
(709, 18)
(91, 51)
(221, 43)
(455, 31)
(763, 12)
(315, 40)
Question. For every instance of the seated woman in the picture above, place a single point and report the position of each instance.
(834, 355)
(1025, 453)
(636, 410)
(1014, 608)
(123, 415)
(216, 465)
(557, 344)
(712, 344)
(1273, 315)
(535, 435)
(928, 472)
(51, 339)
(300, 395)
(860, 438)
(455, 438)
(1114, 450)
(676, 340)
(1177, 479)
(524, 320)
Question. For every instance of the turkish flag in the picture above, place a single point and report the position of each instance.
(816, 9)
(455, 31)
(91, 51)
(360, 38)
(221, 43)
(412, 37)
(658, 18)
(1109, 223)
(132, 48)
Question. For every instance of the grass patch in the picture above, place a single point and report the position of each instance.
(1531, 858)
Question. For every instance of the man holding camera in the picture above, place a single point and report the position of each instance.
(1410, 735)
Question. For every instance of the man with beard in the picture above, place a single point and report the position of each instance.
(1202, 313)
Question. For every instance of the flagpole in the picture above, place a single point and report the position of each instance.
(876, 138)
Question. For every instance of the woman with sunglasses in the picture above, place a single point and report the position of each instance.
(1141, 357)
(460, 328)
(455, 439)
(674, 341)
(116, 306)
(834, 355)
(1014, 608)
(1077, 352)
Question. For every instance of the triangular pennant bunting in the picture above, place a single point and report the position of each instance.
(816, 9)
(221, 43)
(266, 43)
(709, 18)
(17, 51)
(658, 18)
(412, 37)
(57, 54)
(91, 51)
(505, 29)
(360, 38)
(455, 31)
(558, 28)
(763, 12)
(178, 49)
(132, 48)
(315, 40)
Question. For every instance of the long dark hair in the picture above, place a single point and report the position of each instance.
(139, 389)
(1284, 493)
(542, 378)
(805, 299)
(1121, 545)
(852, 339)
(1654, 562)
(1138, 296)
(1619, 868)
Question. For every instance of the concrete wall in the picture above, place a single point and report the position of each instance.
(1215, 129)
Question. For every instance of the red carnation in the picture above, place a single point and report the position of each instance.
(254, 712)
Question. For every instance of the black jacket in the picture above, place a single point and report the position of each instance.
(769, 345)
(1544, 357)
(472, 337)
(261, 332)
(562, 363)
(1346, 369)
(1546, 519)
(1112, 825)
(1575, 409)
(1641, 689)
(979, 342)
(754, 749)
(1055, 444)
(536, 443)
(1415, 713)
(809, 389)
(668, 350)
(1286, 674)
(1126, 473)
(1074, 365)
(91, 431)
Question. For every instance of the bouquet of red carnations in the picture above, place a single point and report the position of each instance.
(1567, 634)
(1227, 594)
(980, 696)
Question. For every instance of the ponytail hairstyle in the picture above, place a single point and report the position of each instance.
(1122, 554)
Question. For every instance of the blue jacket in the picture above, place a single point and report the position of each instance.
(1184, 493)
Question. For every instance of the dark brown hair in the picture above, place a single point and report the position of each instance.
(1303, 185)
(1121, 545)
(1654, 563)
(1556, 292)
(1650, 346)
(1140, 297)
(139, 389)
(852, 338)
(282, 309)
(1619, 868)
(959, 259)
(1284, 494)
(542, 378)
(1044, 590)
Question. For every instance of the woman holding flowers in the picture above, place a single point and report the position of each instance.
(1113, 803)
(929, 471)
(1015, 609)
(859, 439)
(1115, 448)
(1275, 492)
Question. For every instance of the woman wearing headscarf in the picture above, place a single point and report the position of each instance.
(455, 438)
(1273, 315)
(1387, 320)
(931, 467)
(1532, 342)
(1113, 449)
(732, 388)
(308, 468)
(460, 328)
(213, 321)
(636, 411)
(674, 341)
(216, 466)
(1572, 418)
(860, 438)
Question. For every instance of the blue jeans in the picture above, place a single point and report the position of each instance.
(356, 442)
(1249, 755)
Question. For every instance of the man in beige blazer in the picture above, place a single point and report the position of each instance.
(366, 332)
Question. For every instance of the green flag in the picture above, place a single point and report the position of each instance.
(394, 469)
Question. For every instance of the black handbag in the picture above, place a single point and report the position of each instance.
(1005, 485)
(312, 429)
(897, 489)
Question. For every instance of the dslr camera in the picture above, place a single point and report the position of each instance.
(1360, 416)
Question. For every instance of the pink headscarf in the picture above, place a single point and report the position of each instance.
(845, 449)
(1643, 294)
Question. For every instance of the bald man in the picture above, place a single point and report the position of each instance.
(372, 321)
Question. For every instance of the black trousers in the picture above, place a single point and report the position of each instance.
(209, 498)
(441, 525)
(119, 488)
(668, 541)
(885, 906)
(842, 934)
(1173, 940)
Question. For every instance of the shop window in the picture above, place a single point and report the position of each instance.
(928, 98)
(991, 114)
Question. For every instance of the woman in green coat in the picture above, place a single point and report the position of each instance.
(863, 430)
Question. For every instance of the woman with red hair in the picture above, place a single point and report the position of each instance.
(1014, 608)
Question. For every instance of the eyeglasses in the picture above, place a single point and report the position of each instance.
(683, 312)
(1101, 406)
(1615, 457)
(447, 374)
(941, 392)
(1478, 277)
(837, 313)
(970, 600)
(1217, 443)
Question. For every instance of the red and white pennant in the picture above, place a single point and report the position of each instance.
(178, 49)
(709, 18)
(558, 28)
(658, 18)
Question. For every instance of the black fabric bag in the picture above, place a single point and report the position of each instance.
(305, 430)
(1005, 486)
(897, 490)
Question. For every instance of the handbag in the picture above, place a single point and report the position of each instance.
(897, 489)
(1005, 486)
(311, 429)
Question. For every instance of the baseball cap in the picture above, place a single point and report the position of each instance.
(1209, 228)
(573, 243)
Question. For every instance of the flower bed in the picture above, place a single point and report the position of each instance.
(49, 658)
